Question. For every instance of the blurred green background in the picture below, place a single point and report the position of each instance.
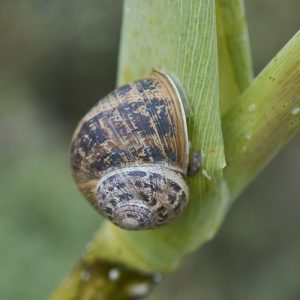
(57, 58)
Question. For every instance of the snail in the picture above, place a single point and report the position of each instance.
(130, 154)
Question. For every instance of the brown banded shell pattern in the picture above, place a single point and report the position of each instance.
(129, 154)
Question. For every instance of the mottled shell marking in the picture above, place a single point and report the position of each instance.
(142, 126)
(156, 196)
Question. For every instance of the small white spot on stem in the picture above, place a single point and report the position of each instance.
(248, 136)
(85, 276)
(139, 290)
(251, 107)
(296, 111)
(204, 172)
(113, 274)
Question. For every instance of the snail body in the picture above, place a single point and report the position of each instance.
(129, 154)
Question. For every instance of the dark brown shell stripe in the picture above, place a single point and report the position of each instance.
(137, 124)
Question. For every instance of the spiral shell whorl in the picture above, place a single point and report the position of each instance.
(141, 197)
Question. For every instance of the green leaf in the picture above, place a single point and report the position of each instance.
(179, 38)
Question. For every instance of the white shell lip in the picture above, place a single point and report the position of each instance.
(180, 101)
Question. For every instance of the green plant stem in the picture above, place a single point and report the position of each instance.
(104, 280)
(183, 43)
(264, 119)
(235, 63)
(179, 38)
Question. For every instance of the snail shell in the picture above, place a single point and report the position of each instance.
(129, 154)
